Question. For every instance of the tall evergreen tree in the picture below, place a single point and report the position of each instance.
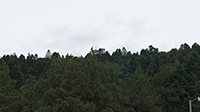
(6, 89)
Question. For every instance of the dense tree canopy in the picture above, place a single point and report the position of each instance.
(151, 81)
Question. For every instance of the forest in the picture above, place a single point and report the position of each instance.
(149, 81)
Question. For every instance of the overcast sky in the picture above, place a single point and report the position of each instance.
(74, 26)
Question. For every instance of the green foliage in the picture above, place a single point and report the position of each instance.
(151, 81)
(172, 84)
(26, 96)
(6, 88)
(142, 94)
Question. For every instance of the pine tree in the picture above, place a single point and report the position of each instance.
(26, 96)
(171, 83)
(6, 89)
(143, 96)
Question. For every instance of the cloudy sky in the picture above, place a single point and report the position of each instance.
(74, 26)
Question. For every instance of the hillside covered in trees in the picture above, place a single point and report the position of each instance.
(149, 81)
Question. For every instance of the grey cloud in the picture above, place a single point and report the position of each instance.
(70, 40)
(115, 32)
(129, 33)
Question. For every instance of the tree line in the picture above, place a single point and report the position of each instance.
(149, 81)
